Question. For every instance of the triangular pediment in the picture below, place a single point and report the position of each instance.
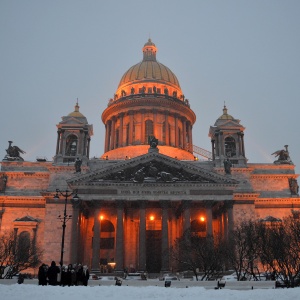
(72, 121)
(26, 219)
(230, 123)
(152, 168)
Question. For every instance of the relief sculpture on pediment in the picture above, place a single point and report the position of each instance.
(155, 172)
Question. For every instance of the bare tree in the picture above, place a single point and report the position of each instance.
(18, 252)
(197, 253)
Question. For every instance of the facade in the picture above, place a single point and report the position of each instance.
(147, 188)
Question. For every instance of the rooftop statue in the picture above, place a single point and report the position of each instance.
(77, 165)
(283, 156)
(153, 142)
(227, 166)
(13, 152)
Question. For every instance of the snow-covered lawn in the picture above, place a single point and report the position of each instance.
(14, 291)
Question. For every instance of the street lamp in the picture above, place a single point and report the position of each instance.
(65, 217)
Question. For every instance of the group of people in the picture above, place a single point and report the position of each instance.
(65, 276)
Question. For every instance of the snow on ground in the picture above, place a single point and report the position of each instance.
(33, 291)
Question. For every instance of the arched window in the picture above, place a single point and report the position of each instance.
(198, 227)
(71, 145)
(23, 246)
(230, 147)
(107, 235)
(148, 129)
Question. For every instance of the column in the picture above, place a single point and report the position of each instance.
(230, 216)
(84, 144)
(142, 237)
(155, 133)
(186, 204)
(61, 141)
(96, 240)
(112, 134)
(184, 133)
(243, 145)
(225, 229)
(57, 143)
(209, 227)
(131, 128)
(88, 147)
(222, 150)
(176, 131)
(213, 149)
(143, 127)
(190, 137)
(217, 144)
(107, 130)
(165, 236)
(167, 133)
(121, 130)
(75, 233)
(120, 237)
(80, 140)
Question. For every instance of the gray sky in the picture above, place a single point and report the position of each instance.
(245, 53)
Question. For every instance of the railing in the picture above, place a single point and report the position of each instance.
(202, 152)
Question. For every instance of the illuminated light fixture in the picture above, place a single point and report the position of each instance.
(151, 218)
(202, 219)
(101, 217)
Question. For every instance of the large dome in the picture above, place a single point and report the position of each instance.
(149, 73)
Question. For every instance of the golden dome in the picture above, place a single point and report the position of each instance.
(225, 115)
(147, 73)
(76, 113)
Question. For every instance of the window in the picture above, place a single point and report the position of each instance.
(71, 145)
(148, 129)
(23, 249)
(198, 228)
(230, 147)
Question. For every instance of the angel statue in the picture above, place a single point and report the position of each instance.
(283, 156)
(13, 152)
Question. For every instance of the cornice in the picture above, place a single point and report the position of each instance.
(245, 196)
(160, 104)
(27, 174)
(273, 176)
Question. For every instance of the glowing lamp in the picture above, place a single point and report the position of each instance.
(202, 219)
(151, 218)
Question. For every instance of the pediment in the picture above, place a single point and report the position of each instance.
(152, 168)
(71, 121)
(26, 219)
(231, 123)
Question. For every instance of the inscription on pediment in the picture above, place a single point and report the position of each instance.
(155, 172)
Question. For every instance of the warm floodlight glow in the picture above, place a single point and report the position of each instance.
(101, 217)
(151, 218)
(202, 219)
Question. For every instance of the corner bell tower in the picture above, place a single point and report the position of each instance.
(73, 138)
(227, 140)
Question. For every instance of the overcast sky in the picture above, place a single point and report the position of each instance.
(245, 53)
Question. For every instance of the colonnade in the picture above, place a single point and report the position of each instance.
(116, 134)
(142, 236)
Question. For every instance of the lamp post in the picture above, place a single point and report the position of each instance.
(66, 194)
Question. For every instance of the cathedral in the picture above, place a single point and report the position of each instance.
(123, 210)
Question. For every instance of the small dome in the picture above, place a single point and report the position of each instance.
(76, 113)
(225, 115)
(149, 72)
